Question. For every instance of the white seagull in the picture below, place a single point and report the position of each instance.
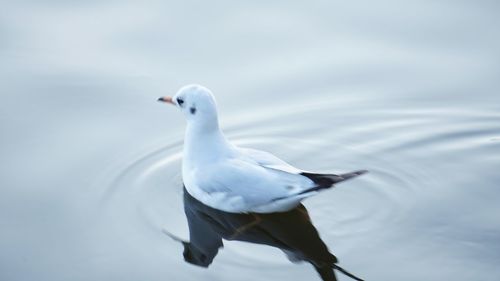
(235, 179)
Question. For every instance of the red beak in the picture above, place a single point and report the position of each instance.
(167, 100)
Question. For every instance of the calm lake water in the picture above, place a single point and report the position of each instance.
(90, 162)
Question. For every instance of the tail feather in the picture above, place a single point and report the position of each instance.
(324, 181)
(321, 181)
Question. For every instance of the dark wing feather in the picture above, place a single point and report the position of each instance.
(323, 181)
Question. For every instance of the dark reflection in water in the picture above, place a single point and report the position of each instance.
(290, 231)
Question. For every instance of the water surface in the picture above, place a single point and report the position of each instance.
(91, 163)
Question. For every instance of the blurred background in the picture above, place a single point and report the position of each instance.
(90, 163)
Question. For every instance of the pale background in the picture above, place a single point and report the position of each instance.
(90, 163)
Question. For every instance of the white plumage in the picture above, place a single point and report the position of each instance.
(234, 179)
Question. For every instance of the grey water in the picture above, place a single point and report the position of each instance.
(90, 163)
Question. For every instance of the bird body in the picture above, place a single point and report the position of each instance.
(233, 179)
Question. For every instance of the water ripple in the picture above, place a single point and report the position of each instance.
(149, 188)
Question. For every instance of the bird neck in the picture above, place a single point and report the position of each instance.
(204, 144)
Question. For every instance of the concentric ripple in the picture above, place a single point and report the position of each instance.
(395, 146)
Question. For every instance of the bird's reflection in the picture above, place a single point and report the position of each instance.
(290, 231)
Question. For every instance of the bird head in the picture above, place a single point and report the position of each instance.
(198, 105)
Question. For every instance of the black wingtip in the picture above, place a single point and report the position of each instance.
(346, 176)
(328, 180)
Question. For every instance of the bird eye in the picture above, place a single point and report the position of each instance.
(180, 101)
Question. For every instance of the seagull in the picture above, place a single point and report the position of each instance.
(236, 179)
